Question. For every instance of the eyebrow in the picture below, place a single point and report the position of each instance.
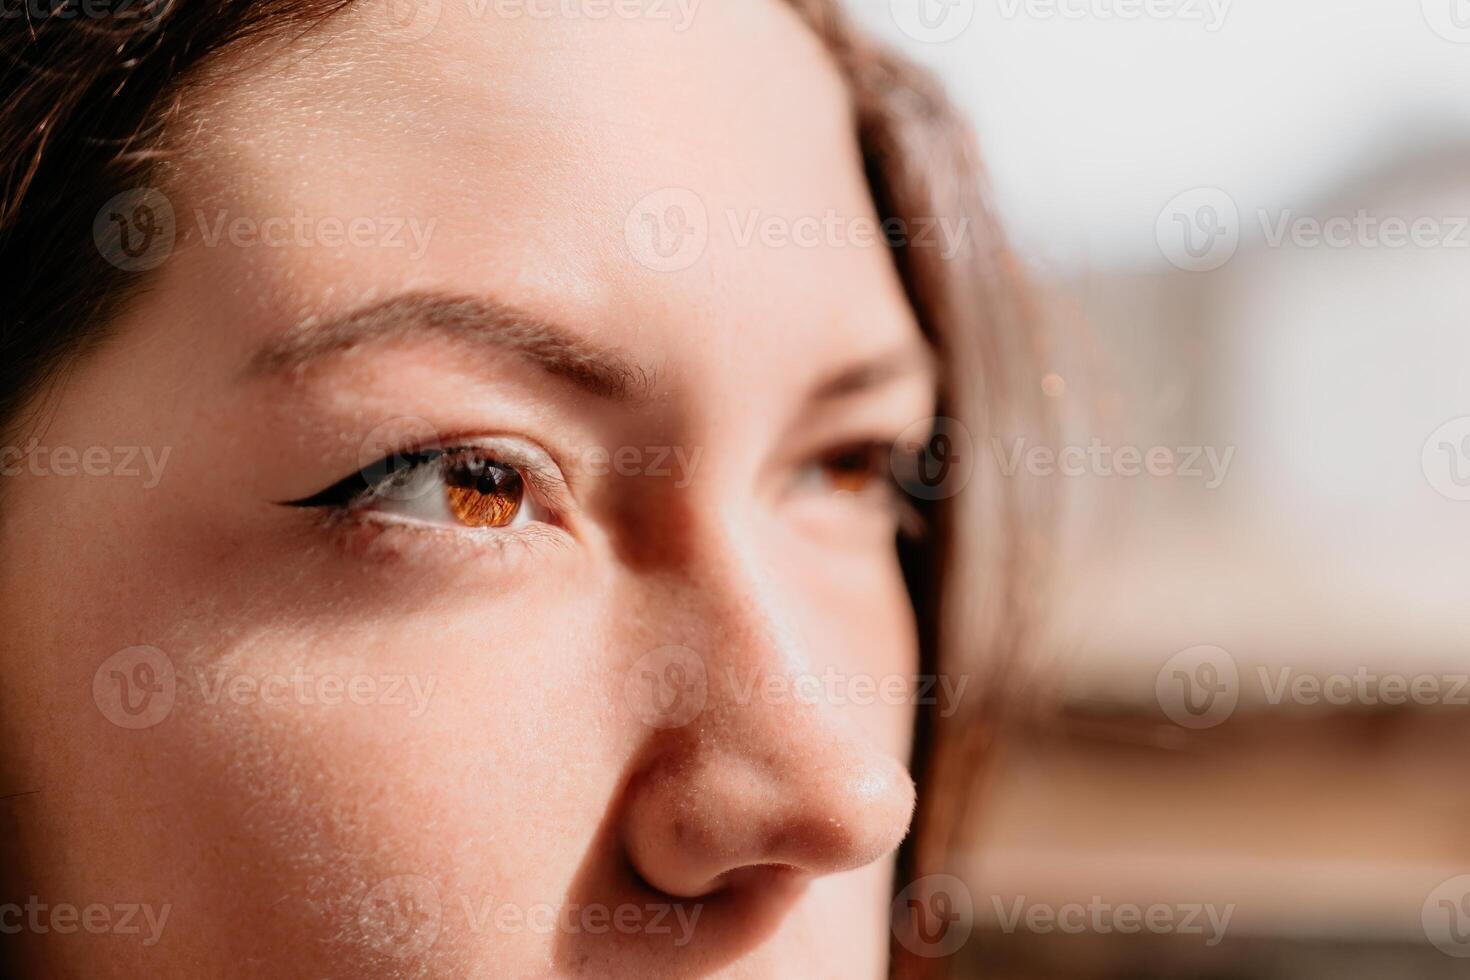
(903, 362)
(461, 318)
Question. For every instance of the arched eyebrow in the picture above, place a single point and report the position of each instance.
(915, 359)
(476, 321)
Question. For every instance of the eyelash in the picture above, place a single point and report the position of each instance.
(887, 490)
(351, 496)
(453, 475)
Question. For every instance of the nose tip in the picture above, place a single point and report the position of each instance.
(702, 821)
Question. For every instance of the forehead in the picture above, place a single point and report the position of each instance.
(660, 175)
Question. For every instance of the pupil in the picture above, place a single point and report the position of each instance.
(482, 493)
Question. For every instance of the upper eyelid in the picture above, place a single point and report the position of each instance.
(508, 451)
(818, 451)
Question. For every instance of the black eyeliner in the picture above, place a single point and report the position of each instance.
(365, 480)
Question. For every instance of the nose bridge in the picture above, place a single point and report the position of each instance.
(723, 627)
(740, 768)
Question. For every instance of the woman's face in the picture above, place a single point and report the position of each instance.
(608, 670)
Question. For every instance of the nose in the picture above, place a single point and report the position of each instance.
(761, 787)
(714, 817)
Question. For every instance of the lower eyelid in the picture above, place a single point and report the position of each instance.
(371, 536)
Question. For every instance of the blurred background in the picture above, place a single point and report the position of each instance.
(1250, 221)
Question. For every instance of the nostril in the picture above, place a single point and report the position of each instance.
(630, 869)
(773, 878)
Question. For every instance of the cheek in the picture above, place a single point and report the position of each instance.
(313, 754)
(464, 758)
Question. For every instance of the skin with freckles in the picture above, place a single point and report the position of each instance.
(532, 698)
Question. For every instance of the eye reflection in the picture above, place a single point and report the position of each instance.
(853, 469)
(483, 493)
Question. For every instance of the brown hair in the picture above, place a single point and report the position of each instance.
(88, 105)
(977, 579)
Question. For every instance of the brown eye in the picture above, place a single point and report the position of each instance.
(853, 470)
(481, 492)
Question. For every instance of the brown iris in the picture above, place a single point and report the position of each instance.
(483, 493)
(852, 470)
